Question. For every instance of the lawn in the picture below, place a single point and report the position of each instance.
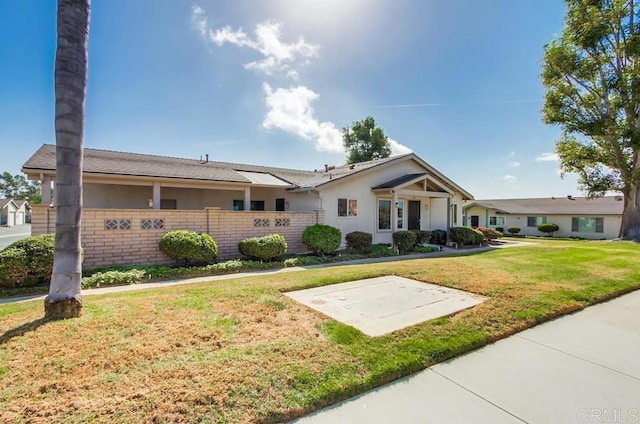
(240, 351)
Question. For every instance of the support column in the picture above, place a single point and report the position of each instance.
(448, 213)
(45, 182)
(394, 211)
(247, 198)
(156, 195)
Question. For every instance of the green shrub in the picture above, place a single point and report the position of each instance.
(381, 250)
(187, 247)
(513, 230)
(13, 269)
(500, 229)
(27, 262)
(360, 241)
(263, 248)
(131, 276)
(322, 239)
(404, 240)
(422, 236)
(490, 233)
(548, 228)
(301, 261)
(425, 249)
(466, 236)
(438, 237)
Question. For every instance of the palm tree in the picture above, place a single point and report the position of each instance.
(64, 299)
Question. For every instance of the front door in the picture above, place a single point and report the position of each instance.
(475, 221)
(414, 215)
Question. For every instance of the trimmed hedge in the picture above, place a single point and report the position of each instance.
(188, 247)
(130, 276)
(548, 228)
(27, 262)
(466, 236)
(438, 237)
(490, 233)
(422, 236)
(404, 240)
(513, 230)
(263, 248)
(359, 241)
(321, 239)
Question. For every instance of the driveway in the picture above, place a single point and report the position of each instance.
(10, 234)
(581, 368)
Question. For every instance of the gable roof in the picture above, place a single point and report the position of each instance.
(608, 205)
(5, 202)
(107, 162)
(397, 182)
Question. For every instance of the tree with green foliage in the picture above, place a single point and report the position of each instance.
(18, 188)
(364, 141)
(592, 78)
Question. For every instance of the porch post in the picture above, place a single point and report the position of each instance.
(247, 198)
(394, 211)
(448, 213)
(46, 189)
(156, 195)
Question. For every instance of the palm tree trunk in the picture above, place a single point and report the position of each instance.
(64, 299)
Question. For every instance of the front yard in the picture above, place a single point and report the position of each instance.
(239, 351)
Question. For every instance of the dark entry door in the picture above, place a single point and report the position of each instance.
(475, 220)
(414, 215)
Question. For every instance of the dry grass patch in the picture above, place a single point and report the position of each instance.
(240, 351)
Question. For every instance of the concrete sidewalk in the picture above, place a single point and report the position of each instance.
(581, 368)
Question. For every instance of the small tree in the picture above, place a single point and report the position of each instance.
(513, 230)
(548, 228)
(364, 141)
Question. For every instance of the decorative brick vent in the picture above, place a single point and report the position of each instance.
(124, 224)
(158, 224)
(146, 224)
(111, 224)
(283, 222)
(261, 222)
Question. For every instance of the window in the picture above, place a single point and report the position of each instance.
(384, 214)
(256, 205)
(400, 205)
(534, 221)
(496, 220)
(168, 204)
(587, 225)
(455, 214)
(280, 205)
(347, 207)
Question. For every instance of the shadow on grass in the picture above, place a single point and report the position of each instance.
(24, 328)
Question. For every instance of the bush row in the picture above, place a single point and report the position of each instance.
(27, 262)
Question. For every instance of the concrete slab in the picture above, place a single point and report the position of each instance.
(539, 384)
(423, 398)
(378, 306)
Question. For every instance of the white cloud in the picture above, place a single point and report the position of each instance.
(511, 154)
(398, 149)
(547, 157)
(290, 110)
(510, 178)
(278, 55)
(513, 164)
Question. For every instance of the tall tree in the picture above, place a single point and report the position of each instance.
(64, 299)
(17, 187)
(363, 141)
(592, 78)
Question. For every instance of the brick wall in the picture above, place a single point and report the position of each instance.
(131, 236)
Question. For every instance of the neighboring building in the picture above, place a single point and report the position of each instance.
(233, 201)
(597, 218)
(14, 212)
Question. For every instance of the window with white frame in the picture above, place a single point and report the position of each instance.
(347, 207)
(587, 224)
(534, 221)
(496, 220)
(400, 205)
(384, 214)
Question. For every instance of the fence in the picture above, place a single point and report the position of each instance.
(131, 236)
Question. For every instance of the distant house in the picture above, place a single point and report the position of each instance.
(135, 194)
(597, 218)
(14, 212)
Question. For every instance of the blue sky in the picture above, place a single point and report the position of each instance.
(273, 82)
